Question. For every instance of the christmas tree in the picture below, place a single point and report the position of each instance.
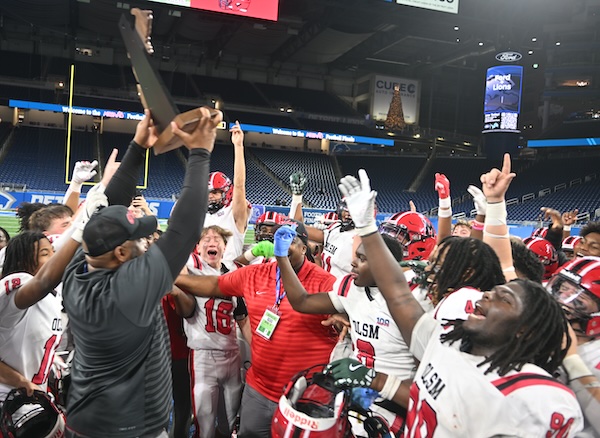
(395, 116)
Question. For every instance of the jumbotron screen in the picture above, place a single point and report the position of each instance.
(265, 9)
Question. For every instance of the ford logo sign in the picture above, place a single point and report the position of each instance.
(509, 56)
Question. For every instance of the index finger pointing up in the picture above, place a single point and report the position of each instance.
(506, 164)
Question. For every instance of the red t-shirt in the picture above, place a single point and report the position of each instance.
(179, 348)
(299, 340)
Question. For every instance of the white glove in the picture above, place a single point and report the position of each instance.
(478, 199)
(93, 201)
(84, 171)
(361, 202)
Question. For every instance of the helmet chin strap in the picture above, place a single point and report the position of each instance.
(214, 206)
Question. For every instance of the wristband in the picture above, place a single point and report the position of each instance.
(366, 230)
(496, 236)
(496, 213)
(477, 226)
(249, 256)
(567, 228)
(444, 212)
(445, 202)
(591, 385)
(75, 186)
(575, 367)
(296, 201)
(392, 383)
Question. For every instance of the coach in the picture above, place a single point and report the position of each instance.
(121, 383)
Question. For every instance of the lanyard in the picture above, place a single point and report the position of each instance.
(278, 295)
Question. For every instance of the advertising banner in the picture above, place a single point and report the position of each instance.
(383, 90)
(503, 86)
(450, 6)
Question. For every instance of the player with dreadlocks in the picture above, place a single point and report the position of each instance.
(453, 392)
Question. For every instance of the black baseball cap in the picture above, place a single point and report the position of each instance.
(114, 225)
(300, 229)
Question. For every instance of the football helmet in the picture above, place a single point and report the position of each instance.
(545, 252)
(344, 217)
(269, 219)
(414, 231)
(330, 217)
(540, 232)
(568, 244)
(37, 416)
(313, 405)
(219, 181)
(577, 287)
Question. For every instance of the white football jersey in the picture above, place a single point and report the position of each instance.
(590, 353)
(28, 337)
(452, 396)
(224, 218)
(376, 339)
(212, 326)
(457, 305)
(337, 250)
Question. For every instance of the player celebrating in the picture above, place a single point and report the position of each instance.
(227, 203)
(507, 348)
(209, 326)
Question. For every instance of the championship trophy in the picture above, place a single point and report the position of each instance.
(154, 94)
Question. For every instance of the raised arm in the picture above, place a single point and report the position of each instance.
(495, 233)
(82, 172)
(300, 300)
(480, 204)
(239, 203)
(442, 186)
(388, 274)
(187, 218)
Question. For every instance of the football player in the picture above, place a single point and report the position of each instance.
(227, 203)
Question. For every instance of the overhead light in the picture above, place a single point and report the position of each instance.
(60, 84)
(480, 43)
(558, 43)
(289, 110)
(533, 40)
(282, 109)
(440, 138)
(466, 143)
(456, 27)
(536, 65)
(582, 83)
(458, 40)
(417, 136)
(530, 52)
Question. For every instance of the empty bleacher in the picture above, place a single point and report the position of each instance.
(321, 188)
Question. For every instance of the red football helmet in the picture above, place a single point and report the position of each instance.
(312, 406)
(568, 244)
(269, 219)
(540, 232)
(37, 416)
(330, 217)
(545, 252)
(414, 231)
(577, 287)
(219, 181)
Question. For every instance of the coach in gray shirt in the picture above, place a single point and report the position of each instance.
(121, 383)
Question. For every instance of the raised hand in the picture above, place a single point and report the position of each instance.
(442, 186)
(570, 217)
(263, 248)
(84, 171)
(204, 134)
(237, 135)
(479, 199)
(283, 238)
(349, 372)
(297, 183)
(110, 167)
(145, 131)
(361, 201)
(496, 182)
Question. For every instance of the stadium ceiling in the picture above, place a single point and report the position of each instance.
(348, 37)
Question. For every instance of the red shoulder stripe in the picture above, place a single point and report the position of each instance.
(345, 286)
(507, 385)
(197, 262)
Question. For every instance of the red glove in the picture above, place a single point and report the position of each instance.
(442, 185)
